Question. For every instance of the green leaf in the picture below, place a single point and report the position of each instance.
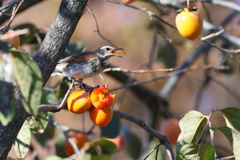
(48, 134)
(59, 146)
(192, 126)
(107, 147)
(29, 79)
(134, 146)
(232, 117)
(207, 152)
(227, 132)
(151, 145)
(233, 137)
(112, 129)
(190, 152)
(7, 102)
(236, 144)
(167, 53)
(39, 123)
(53, 158)
(26, 38)
(22, 142)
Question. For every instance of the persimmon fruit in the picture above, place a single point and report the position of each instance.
(101, 98)
(13, 39)
(78, 138)
(101, 117)
(79, 101)
(189, 23)
(171, 129)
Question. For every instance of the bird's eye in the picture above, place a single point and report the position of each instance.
(108, 49)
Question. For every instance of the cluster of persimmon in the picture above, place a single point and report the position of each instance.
(98, 103)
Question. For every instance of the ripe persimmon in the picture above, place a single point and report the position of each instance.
(101, 117)
(101, 98)
(171, 129)
(78, 138)
(79, 101)
(189, 23)
(13, 39)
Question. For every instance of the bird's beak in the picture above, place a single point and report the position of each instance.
(118, 50)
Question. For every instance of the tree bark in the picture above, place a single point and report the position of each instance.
(46, 57)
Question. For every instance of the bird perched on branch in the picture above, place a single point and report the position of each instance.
(86, 64)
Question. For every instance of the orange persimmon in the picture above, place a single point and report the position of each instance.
(78, 138)
(79, 101)
(189, 23)
(101, 98)
(101, 117)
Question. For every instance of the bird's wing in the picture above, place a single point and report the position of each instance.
(78, 58)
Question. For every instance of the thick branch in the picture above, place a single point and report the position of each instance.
(47, 57)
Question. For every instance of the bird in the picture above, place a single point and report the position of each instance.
(86, 64)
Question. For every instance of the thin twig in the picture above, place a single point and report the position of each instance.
(141, 71)
(212, 35)
(162, 138)
(54, 107)
(205, 133)
(224, 158)
(98, 30)
(156, 156)
(179, 71)
(152, 14)
(14, 14)
(156, 147)
(10, 4)
(236, 51)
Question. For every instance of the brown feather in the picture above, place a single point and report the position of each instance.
(81, 57)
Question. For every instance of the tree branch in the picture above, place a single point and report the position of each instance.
(47, 57)
(162, 138)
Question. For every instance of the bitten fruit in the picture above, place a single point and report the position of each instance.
(101, 98)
